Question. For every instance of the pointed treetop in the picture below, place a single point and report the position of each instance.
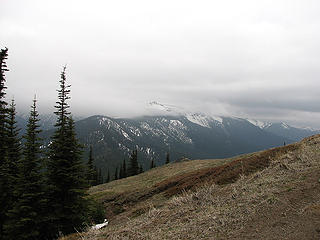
(3, 69)
(62, 105)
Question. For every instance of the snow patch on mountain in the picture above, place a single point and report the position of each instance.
(259, 123)
(147, 129)
(126, 135)
(309, 129)
(148, 150)
(202, 119)
(123, 147)
(178, 124)
(104, 121)
(198, 119)
(284, 125)
(217, 119)
(156, 107)
(135, 131)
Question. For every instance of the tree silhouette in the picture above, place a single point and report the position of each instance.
(167, 158)
(4, 168)
(152, 164)
(66, 175)
(134, 166)
(26, 217)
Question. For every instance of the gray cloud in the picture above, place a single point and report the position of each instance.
(257, 59)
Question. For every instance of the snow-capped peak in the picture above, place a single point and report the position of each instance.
(156, 107)
(197, 118)
(259, 124)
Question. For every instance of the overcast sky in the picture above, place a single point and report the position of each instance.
(255, 59)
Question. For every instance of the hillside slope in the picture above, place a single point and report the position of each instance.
(274, 194)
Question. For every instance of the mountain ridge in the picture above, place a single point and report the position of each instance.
(183, 134)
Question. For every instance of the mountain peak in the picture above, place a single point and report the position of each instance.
(199, 118)
(157, 107)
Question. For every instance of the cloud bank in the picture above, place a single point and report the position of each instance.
(257, 59)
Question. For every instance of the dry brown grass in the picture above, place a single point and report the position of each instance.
(133, 195)
(273, 194)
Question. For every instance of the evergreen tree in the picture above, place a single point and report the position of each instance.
(100, 177)
(134, 166)
(13, 155)
(90, 169)
(66, 175)
(4, 168)
(124, 169)
(26, 216)
(13, 141)
(116, 174)
(120, 172)
(3, 104)
(95, 176)
(108, 177)
(152, 164)
(167, 158)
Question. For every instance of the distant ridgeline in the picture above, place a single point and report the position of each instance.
(194, 136)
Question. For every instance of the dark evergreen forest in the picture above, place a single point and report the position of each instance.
(43, 192)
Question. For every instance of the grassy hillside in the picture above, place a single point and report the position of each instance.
(273, 194)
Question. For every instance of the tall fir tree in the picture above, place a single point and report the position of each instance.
(13, 140)
(100, 177)
(120, 172)
(4, 168)
(116, 174)
(95, 177)
(13, 155)
(108, 177)
(124, 168)
(90, 169)
(134, 165)
(167, 158)
(140, 169)
(66, 173)
(26, 217)
(152, 164)
(3, 104)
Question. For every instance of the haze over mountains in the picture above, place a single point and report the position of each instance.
(181, 133)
